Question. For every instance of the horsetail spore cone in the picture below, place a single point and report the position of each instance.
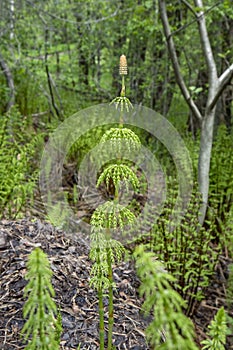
(121, 100)
(123, 69)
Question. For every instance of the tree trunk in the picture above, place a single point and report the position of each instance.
(12, 18)
(216, 85)
(204, 159)
(10, 83)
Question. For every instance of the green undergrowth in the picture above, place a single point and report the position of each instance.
(19, 152)
(221, 185)
(189, 251)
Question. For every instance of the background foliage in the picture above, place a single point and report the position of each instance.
(57, 57)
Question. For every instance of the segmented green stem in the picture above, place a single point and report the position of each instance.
(101, 309)
(110, 299)
(123, 86)
(121, 121)
(101, 316)
(40, 306)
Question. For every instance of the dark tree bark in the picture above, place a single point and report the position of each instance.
(118, 42)
(82, 54)
(10, 83)
(49, 79)
(162, 93)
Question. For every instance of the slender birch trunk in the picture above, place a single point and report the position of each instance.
(216, 87)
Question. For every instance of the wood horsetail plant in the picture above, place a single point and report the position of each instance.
(217, 332)
(42, 329)
(170, 329)
(111, 215)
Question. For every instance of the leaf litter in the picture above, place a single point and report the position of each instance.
(78, 303)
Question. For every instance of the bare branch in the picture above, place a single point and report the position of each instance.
(207, 50)
(49, 77)
(57, 93)
(216, 85)
(206, 12)
(49, 80)
(186, 3)
(36, 115)
(224, 79)
(52, 15)
(175, 63)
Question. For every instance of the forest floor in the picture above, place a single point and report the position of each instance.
(78, 303)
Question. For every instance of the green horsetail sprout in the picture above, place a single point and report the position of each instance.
(41, 328)
(164, 304)
(217, 332)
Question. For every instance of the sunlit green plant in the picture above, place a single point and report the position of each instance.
(42, 331)
(221, 179)
(18, 171)
(217, 332)
(170, 328)
(187, 250)
(221, 184)
(229, 295)
(229, 299)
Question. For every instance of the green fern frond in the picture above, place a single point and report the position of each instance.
(98, 238)
(97, 253)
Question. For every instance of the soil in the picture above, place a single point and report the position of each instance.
(68, 256)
